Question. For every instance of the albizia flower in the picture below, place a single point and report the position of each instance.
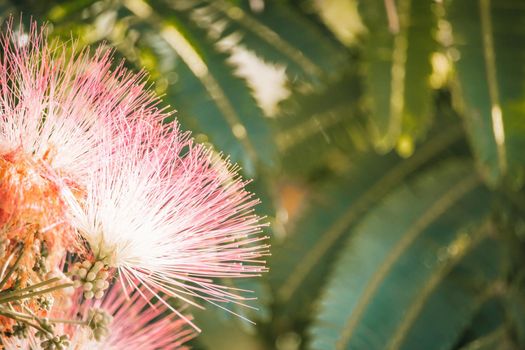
(97, 188)
(55, 108)
(135, 324)
(170, 215)
(57, 104)
(44, 138)
(119, 323)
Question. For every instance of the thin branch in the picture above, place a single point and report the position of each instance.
(13, 268)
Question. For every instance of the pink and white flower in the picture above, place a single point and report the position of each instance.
(88, 166)
(133, 323)
(170, 215)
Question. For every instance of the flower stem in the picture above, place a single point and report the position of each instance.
(21, 318)
(34, 294)
(52, 320)
(13, 268)
(28, 289)
(59, 320)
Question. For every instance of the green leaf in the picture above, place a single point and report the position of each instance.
(219, 104)
(452, 297)
(498, 339)
(516, 309)
(489, 318)
(415, 269)
(63, 10)
(491, 327)
(318, 129)
(489, 38)
(277, 33)
(398, 68)
(300, 264)
(208, 91)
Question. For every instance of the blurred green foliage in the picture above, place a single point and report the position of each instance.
(392, 170)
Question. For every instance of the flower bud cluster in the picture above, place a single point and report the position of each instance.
(56, 343)
(91, 277)
(45, 302)
(46, 329)
(99, 321)
(50, 341)
(20, 330)
(41, 254)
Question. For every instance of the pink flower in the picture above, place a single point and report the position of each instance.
(122, 324)
(57, 104)
(88, 166)
(170, 215)
(135, 324)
